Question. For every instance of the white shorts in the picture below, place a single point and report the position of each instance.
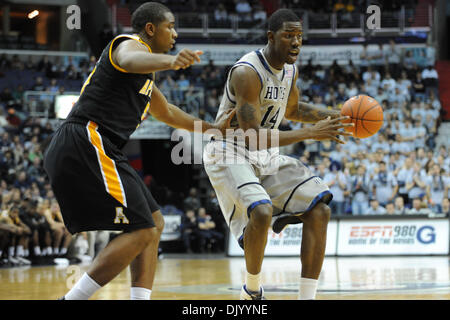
(291, 188)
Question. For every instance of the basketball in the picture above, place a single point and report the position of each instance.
(366, 113)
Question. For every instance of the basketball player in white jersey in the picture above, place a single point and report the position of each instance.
(262, 188)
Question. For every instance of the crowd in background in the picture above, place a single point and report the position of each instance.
(400, 170)
(259, 10)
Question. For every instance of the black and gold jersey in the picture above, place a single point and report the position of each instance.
(117, 101)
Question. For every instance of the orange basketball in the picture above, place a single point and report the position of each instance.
(366, 113)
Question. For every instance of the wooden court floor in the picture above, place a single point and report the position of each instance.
(217, 277)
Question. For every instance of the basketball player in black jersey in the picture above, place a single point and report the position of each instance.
(96, 187)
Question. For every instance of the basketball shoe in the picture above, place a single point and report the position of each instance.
(250, 295)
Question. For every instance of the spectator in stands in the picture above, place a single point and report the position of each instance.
(106, 35)
(189, 229)
(388, 83)
(360, 191)
(259, 14)
(337, 182)
(44, 64)
(207, 233)
(418, 207)
(364, 58)
(61, 236)
(5, 234)
(92, 63)
(8, 232)
(220, 13)
(415, 184)
(390, 208)
(192, 202)
(435, 187)
(40, 229)
(339, 6)
(22, 181)
(375, 208)
(212, 206)
(430, 80)
(379, 58)
(445, 207)
(384, 185)
(244, 10)
(182, 85)
(6, 96)
(394, 58)
(38, 84)
(5, 63)
(399, 205)
(18, 247)
(418, 87)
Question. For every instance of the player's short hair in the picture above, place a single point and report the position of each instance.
(148, 12)
(280, 16)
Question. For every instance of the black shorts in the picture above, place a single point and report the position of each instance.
(96, 187)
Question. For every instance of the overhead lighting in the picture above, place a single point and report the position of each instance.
(33, 14)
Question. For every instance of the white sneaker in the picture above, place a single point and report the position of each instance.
(14, 261)
(24, 261)
(250, 295)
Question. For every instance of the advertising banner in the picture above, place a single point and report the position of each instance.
(399, 237)
(287, 243)
(171, 229)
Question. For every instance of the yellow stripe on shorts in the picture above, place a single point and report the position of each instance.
(111, 177)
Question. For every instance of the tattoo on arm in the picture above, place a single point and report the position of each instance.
(310, 113)
(246, 113)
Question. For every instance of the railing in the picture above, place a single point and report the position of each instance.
(43, 104)
(314, 24)
(190, 100)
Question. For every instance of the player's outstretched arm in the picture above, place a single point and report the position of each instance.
(134, 57)
(177, 118)
(246, 88)
(304, 112)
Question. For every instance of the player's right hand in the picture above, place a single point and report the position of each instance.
(328, 129)
(185, 58)
(224, 123)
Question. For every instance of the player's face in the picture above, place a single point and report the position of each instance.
(165, 34)
(288, 41)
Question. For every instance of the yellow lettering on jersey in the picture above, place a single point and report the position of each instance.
(147, 88)
(120, 217)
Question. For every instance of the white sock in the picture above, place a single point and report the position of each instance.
(63, 251)
(49, 251)
(11, 251)
(253, 281)
(83, 289)
(37, 251)
(308, 288)
(55, 250)
(19, 251)
(26, 252)
(137, 293)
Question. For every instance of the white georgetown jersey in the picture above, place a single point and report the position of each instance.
(276, 86)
